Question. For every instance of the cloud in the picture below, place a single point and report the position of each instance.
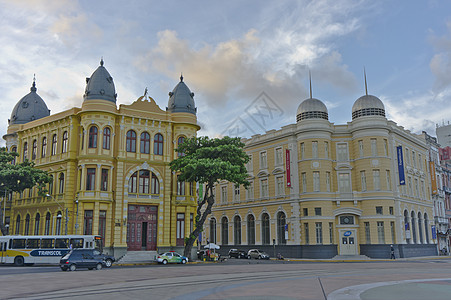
(440, 63)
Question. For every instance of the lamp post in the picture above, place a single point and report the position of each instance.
(76, 220)
(66, 218)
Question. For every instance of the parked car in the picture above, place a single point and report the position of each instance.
(257, 254)
(82, 258)
(237, 253)
(171, 257)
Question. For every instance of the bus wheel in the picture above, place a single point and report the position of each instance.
(19, 261)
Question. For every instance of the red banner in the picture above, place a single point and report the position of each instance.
(287, 164)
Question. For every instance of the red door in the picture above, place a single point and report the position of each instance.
(142, 227)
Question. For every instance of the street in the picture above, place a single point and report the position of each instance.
(234, 279)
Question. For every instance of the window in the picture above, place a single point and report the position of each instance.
(317, 211)
(54, 144)
(250, 190)
(279, 156)
(264, 188)
(131, 141)
(420, 165)
(44, 147)
(27, 225)
(319, 232)
(342, 152)
(237, 230)
(47, 224)
(263, 162)
(34, 152)
(314, 149)
(104, 180)
(392, 229)
(407, 157)
(306, 233)
(316, 184)
(376, 180)
(346, 220)
(144, 182)
(380, 233)
(180, 229)
(414, 161)
(417, 192)
(363, 180)
(223, 194)
(25, 151)
(390, 210)
(280, 189)
(302, 151)
(13, 149)
(385, 147)
(158, 144)
(236, 193)
(82, 138)
(212, 230)
(61, 183)
(250, 230)
(344, 182)
(367, 233)
(17, 225)
(373, 147)
(90, 179)
(64, 145)
(155, 184)
(180, 141)
(281, 224)
(88, 222)
(145, 143)
(305, 210)
(133, 183)
(92, 138)
(265, 229)
(328, 182)
(37, 221)
(409, 181)
(58, 223)
(106, 138)
(225, 231)
(387, 174)
(331, 232)
(304, 182)
(326, 149)
(250, 165)
(361, 154)
(379, 210)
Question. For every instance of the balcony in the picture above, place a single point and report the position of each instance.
(441, 220)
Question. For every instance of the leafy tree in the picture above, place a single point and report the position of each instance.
(207, 161)
(18, 177)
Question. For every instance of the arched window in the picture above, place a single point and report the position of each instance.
(140, 182)
(44, 147)
(407, 226)
(47, 224)
(250, 230)
(224, 231)
(265, 229)
(426, 227)
(158, 144)
(414, 231)
(145, 143)
(281, 221)
(34, 152)
(133, 183)
(27, 225)
(131, 141)
(18, 224)
(155, 184)
(144, 180)
(54, 144)
(61, 183)
(25, 151)
(58, 223)
(212, 230)
(65, 140)
(37, 222)
(14, 149)
(420, 228)
(106, 138)
(92, 140)
(51, 185)
(180, 141)
(237, 230)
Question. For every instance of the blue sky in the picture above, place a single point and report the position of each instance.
(238, 57)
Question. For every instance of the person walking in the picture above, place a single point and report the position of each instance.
(392, 252)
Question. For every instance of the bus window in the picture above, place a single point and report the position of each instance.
(33, 243)
(99, 243)
(18, 243)
(76, 243)
(61, 243)
(47, 243)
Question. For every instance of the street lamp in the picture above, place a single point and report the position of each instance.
(59, 215)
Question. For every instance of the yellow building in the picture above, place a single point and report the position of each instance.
(319, 190)
(110, 167)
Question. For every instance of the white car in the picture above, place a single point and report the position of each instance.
(257, 254)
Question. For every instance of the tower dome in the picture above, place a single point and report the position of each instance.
(30, 107)
(181, 99)
(312, 109)
(368, 105)
(100, 85)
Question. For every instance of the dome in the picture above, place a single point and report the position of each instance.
(30, 107)
(312, 109)
(368, 105)
(100, 85)
(181, 99)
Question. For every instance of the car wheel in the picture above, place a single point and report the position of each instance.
(99, 266)
(19, 261)
(183, 261)
(108, 263)
(72, 267)
(165, 262)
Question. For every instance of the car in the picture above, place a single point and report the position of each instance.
(237, 253)
(109, 259)
(82, 258)
(171, 257)
(257, 254)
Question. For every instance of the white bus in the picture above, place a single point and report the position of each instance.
(34, 249)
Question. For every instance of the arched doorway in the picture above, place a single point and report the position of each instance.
(142, 227)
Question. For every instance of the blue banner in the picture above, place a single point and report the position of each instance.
(434, 232)
(402, 179)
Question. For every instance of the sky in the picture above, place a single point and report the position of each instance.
(247, 62)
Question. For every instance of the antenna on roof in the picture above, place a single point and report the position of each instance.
(101, 61)
(181, 77)
(310, 78)
(366, 86)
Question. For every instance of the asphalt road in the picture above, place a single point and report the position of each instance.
(236, 280)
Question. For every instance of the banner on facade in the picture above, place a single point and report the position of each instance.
(402, 179)
(434, 232)
(286, 231)
(287, 163)
(407, 228)
(433, 177)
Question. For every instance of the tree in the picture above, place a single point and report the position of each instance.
(207, 161)
(18, 177)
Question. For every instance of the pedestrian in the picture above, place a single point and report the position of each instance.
(392, 252)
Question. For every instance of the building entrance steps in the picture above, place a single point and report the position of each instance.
(138, 256)
(351, 257)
